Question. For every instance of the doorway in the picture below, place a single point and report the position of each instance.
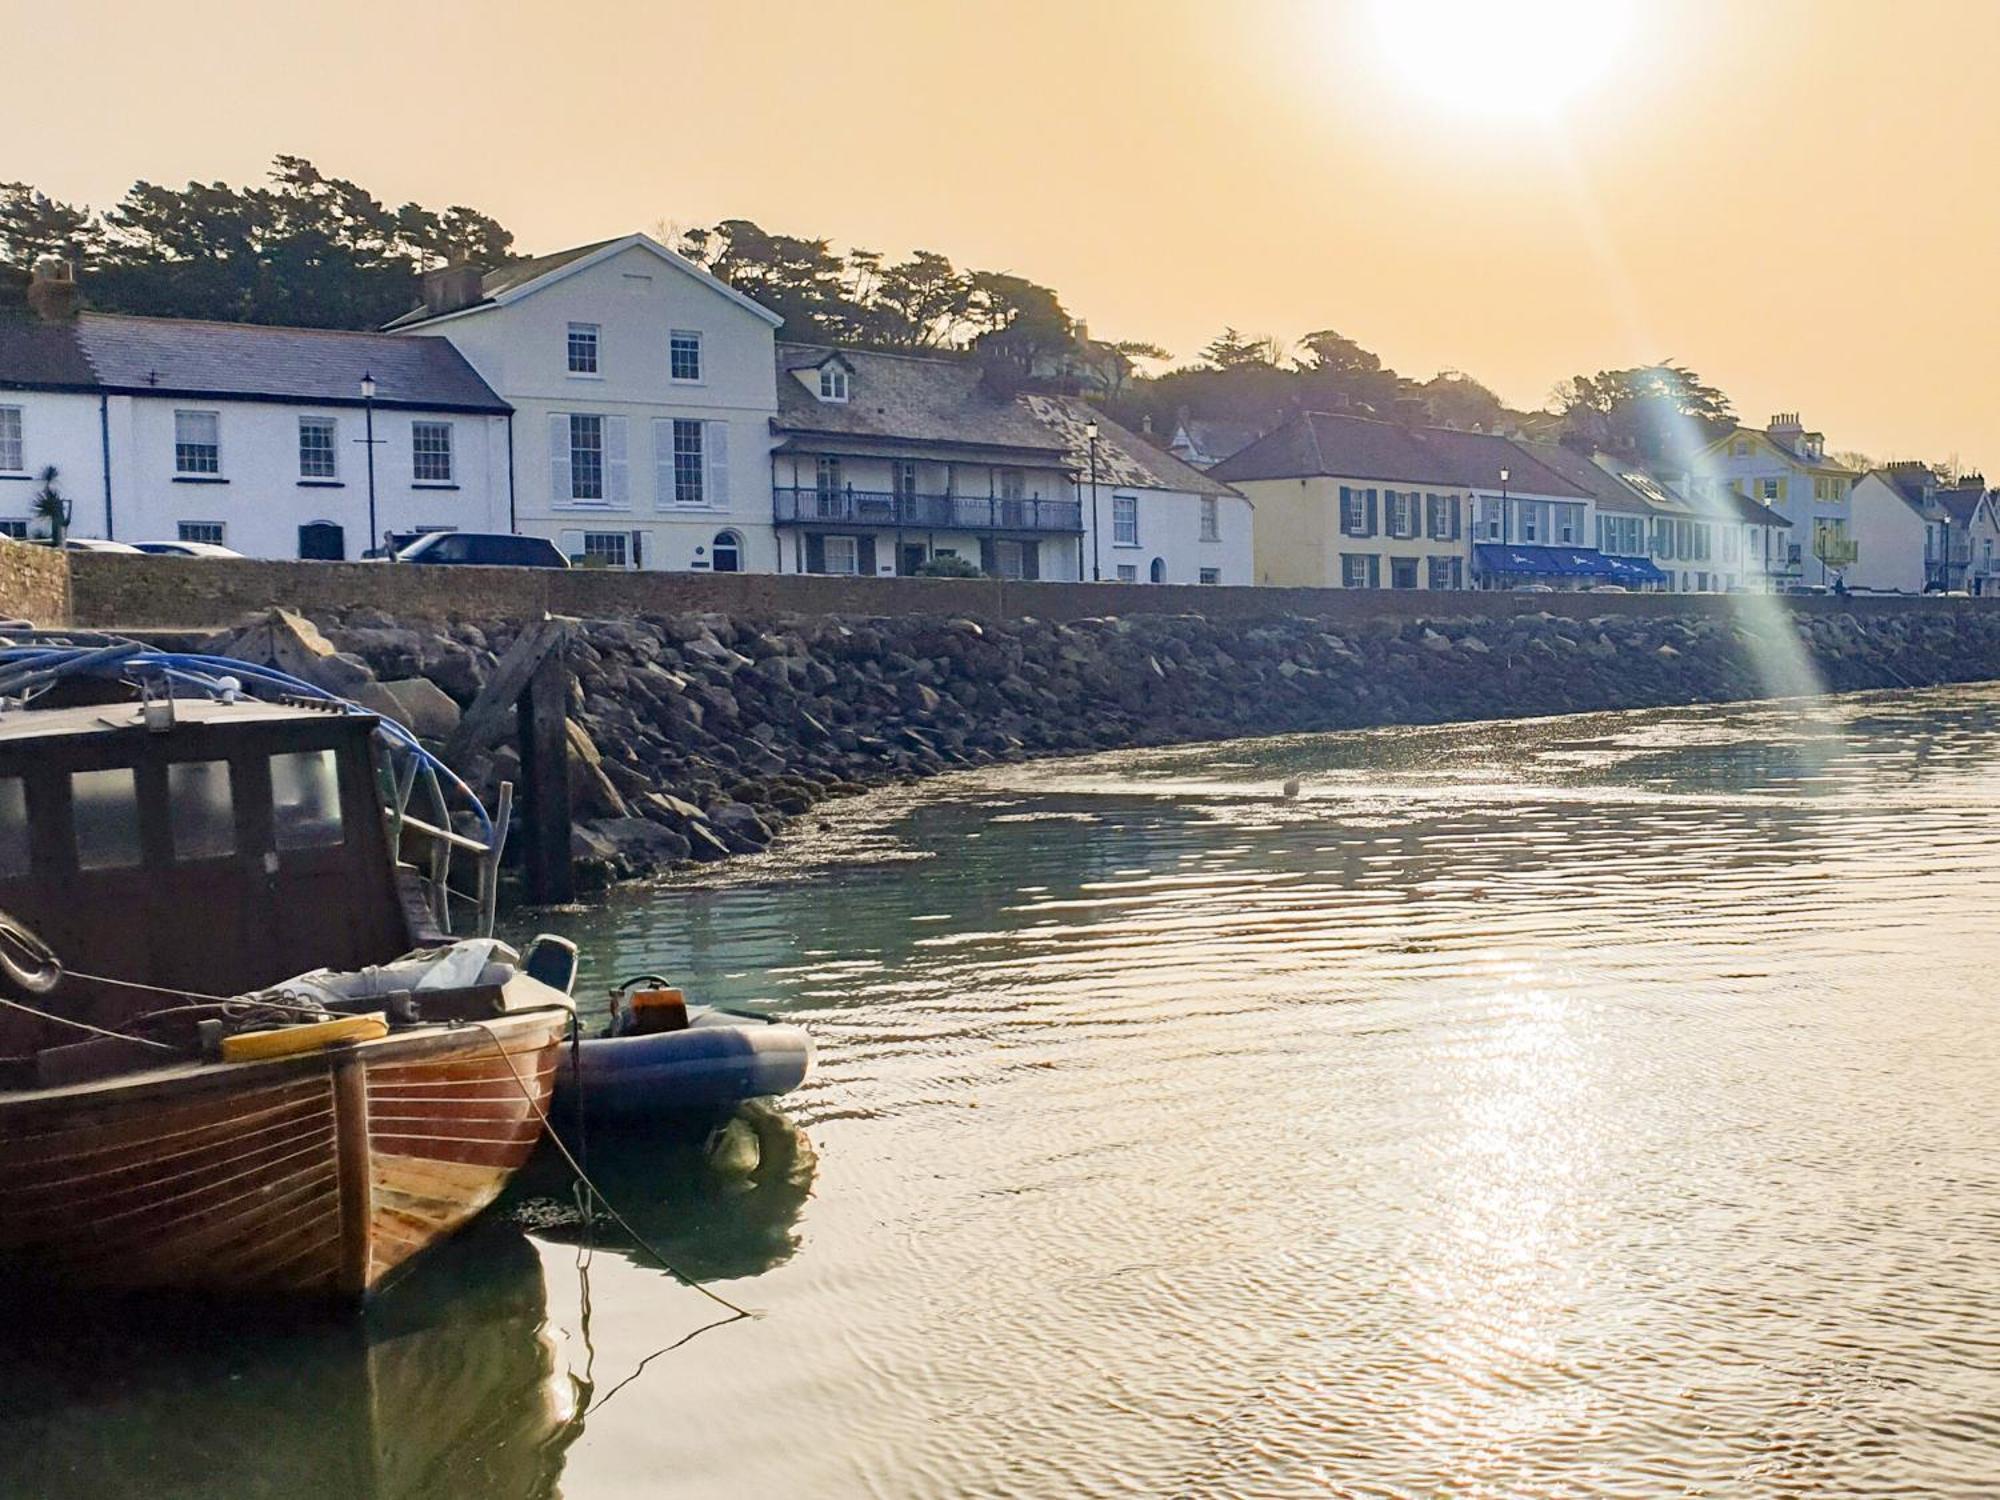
(322, 541)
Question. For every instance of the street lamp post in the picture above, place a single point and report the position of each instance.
(1505, 475)
(1096, 568)
(368, 437)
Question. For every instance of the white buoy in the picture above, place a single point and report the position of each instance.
(1292, 787)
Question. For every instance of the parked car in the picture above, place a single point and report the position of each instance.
(186, 549)
(484, 548)
(1609, 588)
(1534, 588)
(96, 544)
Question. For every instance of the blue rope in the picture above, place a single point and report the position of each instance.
(206, 674)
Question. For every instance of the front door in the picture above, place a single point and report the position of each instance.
(914, 558)
(322, 541)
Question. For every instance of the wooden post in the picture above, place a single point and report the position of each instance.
(354, 1172)
(543, 718)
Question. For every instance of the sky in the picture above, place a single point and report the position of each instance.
(1792, 196)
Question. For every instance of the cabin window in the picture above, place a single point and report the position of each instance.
(200, 810)
(15, 856)
(305, 799)
(104, 806)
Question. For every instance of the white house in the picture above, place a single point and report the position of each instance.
(1785, 467)
(885, 461)
(251, 436)
(1147, 516)
(643, 394)
(1918, 533)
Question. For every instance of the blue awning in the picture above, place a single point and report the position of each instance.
(1635, 570)
(1542, 562)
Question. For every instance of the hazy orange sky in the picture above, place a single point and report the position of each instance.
(1795, 198)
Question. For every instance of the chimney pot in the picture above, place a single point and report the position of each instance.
(52, 289)
(451, 288)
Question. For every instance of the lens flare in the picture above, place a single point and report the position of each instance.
(1501, 58)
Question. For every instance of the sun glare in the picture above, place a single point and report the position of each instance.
(1501, 58)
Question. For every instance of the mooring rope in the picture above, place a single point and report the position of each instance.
(610, 1208)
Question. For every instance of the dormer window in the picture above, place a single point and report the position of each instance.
(833, 382)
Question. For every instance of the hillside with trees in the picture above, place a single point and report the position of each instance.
(320, 251)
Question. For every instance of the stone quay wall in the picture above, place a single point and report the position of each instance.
(698, 734)
(120, 591)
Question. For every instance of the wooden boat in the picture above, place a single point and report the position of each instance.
(216, 850)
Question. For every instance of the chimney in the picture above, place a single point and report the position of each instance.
(452, 288)
(1146, 423)
(52, 289)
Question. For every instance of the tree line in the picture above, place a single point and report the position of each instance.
(313, 250)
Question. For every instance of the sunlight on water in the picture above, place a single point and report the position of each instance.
(1596, 1106)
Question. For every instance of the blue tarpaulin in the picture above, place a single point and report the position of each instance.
(1544, 562)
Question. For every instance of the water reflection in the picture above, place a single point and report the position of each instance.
(450, 1386)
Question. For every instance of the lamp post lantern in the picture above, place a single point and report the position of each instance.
(1096, 569)
(368, 437)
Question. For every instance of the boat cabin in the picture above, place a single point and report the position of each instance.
(202, 846)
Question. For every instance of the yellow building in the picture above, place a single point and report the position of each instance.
(1350, 502)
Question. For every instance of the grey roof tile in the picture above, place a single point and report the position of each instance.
(1124, 458)
(907, 398)
(252, 361)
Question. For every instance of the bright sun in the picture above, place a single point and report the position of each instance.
(1502, 58)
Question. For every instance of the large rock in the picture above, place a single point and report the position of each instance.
(416, 703)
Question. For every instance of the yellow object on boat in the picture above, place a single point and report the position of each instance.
(284, 1041)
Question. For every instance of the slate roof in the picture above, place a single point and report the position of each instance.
(1324, 443)
(1125, 460)
(251, 361)
(239, 361)
(1960, 503)
(1611, 491)
(44, 356)
(504, 278)
(908, 398)
(1213, 440)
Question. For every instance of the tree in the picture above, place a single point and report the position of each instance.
(801, 280)
(1231, 350)
(32, 225)
(1335, 354)
(1023, 326)
(1456, 400)
(920, 302)
(49, 504)
(1656, 413)
(307, 249)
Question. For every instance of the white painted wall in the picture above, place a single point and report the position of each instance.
(1170, 534)
(259, 498)
(637, 300)
(60, 428)
(1890, 535)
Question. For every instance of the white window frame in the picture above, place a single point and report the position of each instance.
(833, 384)
(210, 532)
(1010, 560)
(584, 343)
(1211, 519)
(677, 340)
(850, 546)
(418, 455)
(330, 453)
(579, 422)
(1209, 576)
(15, 530)
(13, 440)
(1124, 520)
(186, 464)
(1127, 572)
(618, 556)
(690, 465)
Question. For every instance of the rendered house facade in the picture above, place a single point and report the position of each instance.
(643, 399)
(252, 437)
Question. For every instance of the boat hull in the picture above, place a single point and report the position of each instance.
(312, 1176)
(701, 1072)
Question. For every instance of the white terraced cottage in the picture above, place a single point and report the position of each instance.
(249, 436)
(643, 398)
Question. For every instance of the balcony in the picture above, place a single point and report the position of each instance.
(914, 512)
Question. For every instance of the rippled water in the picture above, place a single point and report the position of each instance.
(1594, 1106)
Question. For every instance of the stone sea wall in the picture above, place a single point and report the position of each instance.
(701, 735)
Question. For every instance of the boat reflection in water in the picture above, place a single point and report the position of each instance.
(461, 1382)
(720, 1210)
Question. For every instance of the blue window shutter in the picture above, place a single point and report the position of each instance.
(1374, 521)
